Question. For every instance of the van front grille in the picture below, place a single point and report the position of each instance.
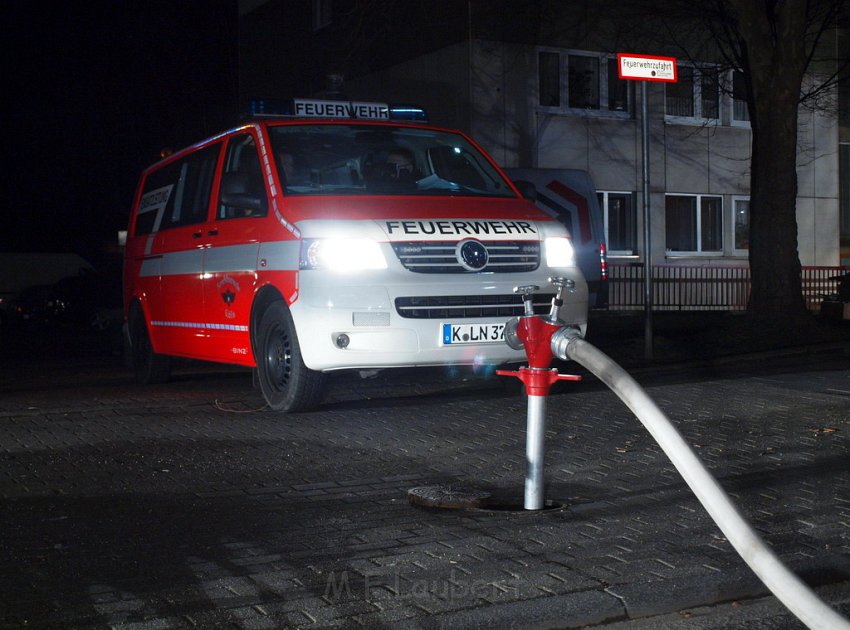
(455, 307)
(442, 257)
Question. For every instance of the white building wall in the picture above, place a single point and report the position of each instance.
(496, 103)
(817, 186)
(729, 154)
(711, 158)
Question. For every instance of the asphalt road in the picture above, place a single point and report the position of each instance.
(190, 504)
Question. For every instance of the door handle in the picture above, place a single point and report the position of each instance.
(197, 234)
(212, 233)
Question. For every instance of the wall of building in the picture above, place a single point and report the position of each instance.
(704, 159)
(817, 186)
(439, 82)
(496, 103)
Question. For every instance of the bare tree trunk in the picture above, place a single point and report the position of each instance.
(773, 51)
(774, 259)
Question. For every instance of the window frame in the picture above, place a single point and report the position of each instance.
(699, 252)
(321, 14)
(200, 165)
(698, 73)
(242, 142)
(603, 81)
(736, 251)
(603, 196)
(559, 82)
(736, 122)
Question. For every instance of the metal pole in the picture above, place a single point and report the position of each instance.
(647, 240)
(534, 451)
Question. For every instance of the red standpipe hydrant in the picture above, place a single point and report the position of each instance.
(534, 333)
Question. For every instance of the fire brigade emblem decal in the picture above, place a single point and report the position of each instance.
(228, 289)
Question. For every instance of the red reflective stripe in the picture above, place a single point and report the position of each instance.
(580, 203)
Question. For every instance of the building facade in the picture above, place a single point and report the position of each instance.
(538, 86)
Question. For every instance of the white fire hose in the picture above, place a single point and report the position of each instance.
(567, 343)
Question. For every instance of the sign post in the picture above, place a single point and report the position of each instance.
(645, 68)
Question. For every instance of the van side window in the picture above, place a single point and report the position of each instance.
(242, 191)
(179, 193)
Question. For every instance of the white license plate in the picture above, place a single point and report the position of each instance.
(459, 334)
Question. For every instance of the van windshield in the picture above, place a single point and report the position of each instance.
(340, 159)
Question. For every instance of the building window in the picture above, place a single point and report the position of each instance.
(695, 95)
(618, 209)
(693, 224)
(570, 81)
(709, 95)
(618, 90)
(680, 95)
(583, 82)
(322, 13)
(549, 79)
(740, 111)
(741, 222)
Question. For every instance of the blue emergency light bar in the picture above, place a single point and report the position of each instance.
(318, 108)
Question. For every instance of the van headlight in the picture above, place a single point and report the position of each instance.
(341, 255)
(559, 252)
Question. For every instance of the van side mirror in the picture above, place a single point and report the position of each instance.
(526, 189)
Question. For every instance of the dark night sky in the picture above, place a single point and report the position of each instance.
(93, 91)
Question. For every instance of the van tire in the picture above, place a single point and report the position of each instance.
(148, 367)
(287, 384)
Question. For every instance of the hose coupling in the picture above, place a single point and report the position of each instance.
(512, 334)
(561, 340)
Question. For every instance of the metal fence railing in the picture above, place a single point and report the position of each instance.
(706, 288)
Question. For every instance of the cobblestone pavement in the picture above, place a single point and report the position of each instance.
(191, 505)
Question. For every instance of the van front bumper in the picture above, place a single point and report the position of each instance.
(359, 326)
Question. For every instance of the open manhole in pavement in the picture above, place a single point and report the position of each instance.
(459, 498)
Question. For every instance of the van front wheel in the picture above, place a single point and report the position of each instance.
(287, 384)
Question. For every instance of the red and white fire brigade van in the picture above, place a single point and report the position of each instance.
(329, 235)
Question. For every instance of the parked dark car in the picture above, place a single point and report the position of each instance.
(74, 302)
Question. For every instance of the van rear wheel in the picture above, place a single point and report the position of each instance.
(148, 366)
(287, 384)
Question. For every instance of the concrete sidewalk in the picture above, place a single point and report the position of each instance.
(191, 505)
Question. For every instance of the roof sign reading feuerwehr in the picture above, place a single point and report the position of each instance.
(319, 108)
(311, 108)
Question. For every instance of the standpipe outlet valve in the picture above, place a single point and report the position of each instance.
(558, 301)
(527, 293)
(533, 333)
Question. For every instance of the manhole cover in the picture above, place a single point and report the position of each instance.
(448, 497)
